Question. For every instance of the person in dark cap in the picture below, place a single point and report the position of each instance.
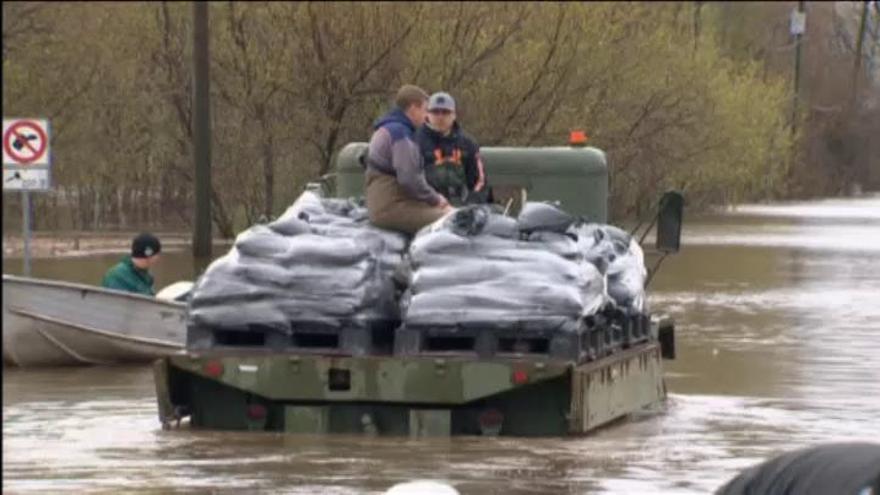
(835, 468)
(132, 273)
(452, 157)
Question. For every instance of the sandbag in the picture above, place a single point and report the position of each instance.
(464, 274)
(501, 226)
(564, 245)
(290, 226)
(319, 263)
(619, 257)
(543, 216)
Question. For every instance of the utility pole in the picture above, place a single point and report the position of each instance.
(201, 126)
(798, 26)
(857, 65)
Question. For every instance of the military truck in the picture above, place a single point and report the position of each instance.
(508, 390)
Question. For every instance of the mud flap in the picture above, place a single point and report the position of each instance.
(430, 423)
(163, 397)
(306, 419)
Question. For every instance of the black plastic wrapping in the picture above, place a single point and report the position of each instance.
(320, 263)
(463, 274)
(543, 217)
(619, 257)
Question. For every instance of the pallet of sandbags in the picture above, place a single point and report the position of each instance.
(484, 283)
(319, 277)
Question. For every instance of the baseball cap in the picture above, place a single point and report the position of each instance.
(441, 100)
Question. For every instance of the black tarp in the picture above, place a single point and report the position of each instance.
(320, 263)
(464, 274)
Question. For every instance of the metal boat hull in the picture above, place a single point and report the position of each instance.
(53, 323)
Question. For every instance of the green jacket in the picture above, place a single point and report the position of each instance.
(125, 276)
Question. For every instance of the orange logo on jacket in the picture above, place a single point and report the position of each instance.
(453, 159)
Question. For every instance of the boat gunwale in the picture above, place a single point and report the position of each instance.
(15, 279)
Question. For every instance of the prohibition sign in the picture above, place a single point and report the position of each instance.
(23, 151)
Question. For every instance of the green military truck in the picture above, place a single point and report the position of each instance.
(509, 391)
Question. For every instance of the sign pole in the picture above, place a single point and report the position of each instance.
(26, 230)
(26, 167)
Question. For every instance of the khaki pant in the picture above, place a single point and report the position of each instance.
(390, 207)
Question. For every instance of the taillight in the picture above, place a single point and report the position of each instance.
(520, 377)
(490, 422)
(213, 369)
(256, 411)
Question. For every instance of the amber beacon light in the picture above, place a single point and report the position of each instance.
(577, 137)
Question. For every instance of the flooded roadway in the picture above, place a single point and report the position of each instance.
(778, 333)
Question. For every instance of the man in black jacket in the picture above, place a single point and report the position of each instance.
(452, 158)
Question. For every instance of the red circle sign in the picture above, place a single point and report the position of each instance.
(16, 133)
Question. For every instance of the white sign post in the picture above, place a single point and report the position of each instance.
(26, 168)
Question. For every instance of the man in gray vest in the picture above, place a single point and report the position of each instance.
(398, 195)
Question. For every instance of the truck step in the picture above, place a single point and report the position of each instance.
(373, 338)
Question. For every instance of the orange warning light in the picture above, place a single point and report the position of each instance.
(577, 138)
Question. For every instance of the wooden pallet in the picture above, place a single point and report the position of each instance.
(584, 344)
(348, 339)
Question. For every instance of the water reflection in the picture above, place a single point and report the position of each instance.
(777, 310)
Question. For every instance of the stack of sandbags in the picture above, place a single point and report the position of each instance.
(611, 250)
(341, 218)
(320, 264)
(477, 268)
(620, 258)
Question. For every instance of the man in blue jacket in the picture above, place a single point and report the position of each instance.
(398, 195)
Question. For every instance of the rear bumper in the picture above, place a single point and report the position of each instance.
(414, 396)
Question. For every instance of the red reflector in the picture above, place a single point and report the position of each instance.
(256, 411)
(491, 418)
(520, 377)
(213, 368)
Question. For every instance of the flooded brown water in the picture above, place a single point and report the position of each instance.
(778, 332)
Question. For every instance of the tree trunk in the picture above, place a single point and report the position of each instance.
(96, 213)
(857, 64)
(268, 163)
(120, 205)
(697, 7)
(85, 207)
(54, 210)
